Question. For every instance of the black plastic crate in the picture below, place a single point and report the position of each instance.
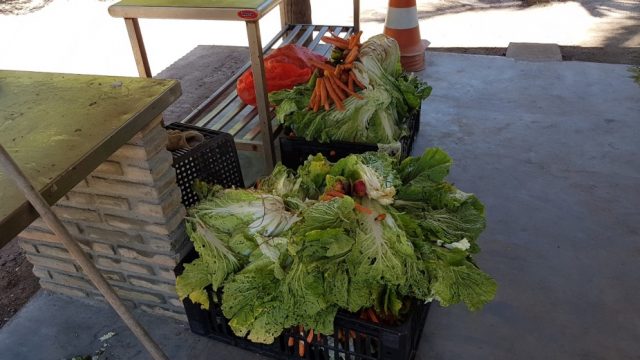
(214, 161)
(295, 150)
(353, 338)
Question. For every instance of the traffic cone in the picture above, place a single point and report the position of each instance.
(402, 25)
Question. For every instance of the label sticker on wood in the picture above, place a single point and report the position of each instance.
(248, 14)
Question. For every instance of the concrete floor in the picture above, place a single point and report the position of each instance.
(553, 151)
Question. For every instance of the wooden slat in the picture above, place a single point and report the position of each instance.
(323, 30)
(255, 131)
(223, 119)
(206, 119)
(244, 122)
(248, 145)
(292, 34)
(306, 36)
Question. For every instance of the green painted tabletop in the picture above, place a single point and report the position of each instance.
(247, 10)
(60, 127)
(233, 4)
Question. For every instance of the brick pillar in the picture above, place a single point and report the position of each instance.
(128, 217)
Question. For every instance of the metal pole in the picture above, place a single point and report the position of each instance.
(12, 170)
(260, 87)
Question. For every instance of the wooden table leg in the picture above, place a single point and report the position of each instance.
(356, 16)
(12, 170)
(137, 45)
(262, 101)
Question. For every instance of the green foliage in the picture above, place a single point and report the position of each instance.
(379, 118)
(306, 245)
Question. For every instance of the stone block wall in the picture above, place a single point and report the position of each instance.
(128, 217)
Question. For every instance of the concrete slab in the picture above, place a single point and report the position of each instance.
(552, 150)
(534, 52)
(58, 327)
(201, 72)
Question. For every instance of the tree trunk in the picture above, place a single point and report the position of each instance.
(297, 11)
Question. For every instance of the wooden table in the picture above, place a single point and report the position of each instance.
(60, 127)
(249, 11)
(252, 128)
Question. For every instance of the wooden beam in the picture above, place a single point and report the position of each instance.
(297, 11)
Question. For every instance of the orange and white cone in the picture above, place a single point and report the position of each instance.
(402, 25)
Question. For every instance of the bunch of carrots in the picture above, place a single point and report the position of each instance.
(308, 338)
(336, 81)
(358, 189)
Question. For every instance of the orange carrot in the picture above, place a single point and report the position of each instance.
(301, 348)
(381, 217)
(346, 88)
(336, 88)
(290, 342)
(350, 85)
(362, 209)
(312, 99)
(356, 38)
(353, 55)
(335, 42)
(323, 94)
(318, 98)
(336, 36)
(310, 336)
(357, 82)
(333, 95)
(323, 66)
(372, 315)
(334, 193)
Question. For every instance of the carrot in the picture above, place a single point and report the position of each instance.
(338, 70)
(372, 315)
(336, 36)
(290, 342)
(334, 193)
(335, 42)
(350, 85)
(301, 343)
(352, 41)
(333, 95)
(353, 55)
(310, 336)
(357, 82)
(346, 88)
(356, 38)
(318, 98)
(323, 66)
(313, 98)
(336, 88)
(323, 94)
(381, 217)
(362, 209)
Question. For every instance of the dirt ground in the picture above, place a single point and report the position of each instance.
(17, 282)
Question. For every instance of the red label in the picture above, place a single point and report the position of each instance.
(248, 14)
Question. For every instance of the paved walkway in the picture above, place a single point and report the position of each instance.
(552, 150)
